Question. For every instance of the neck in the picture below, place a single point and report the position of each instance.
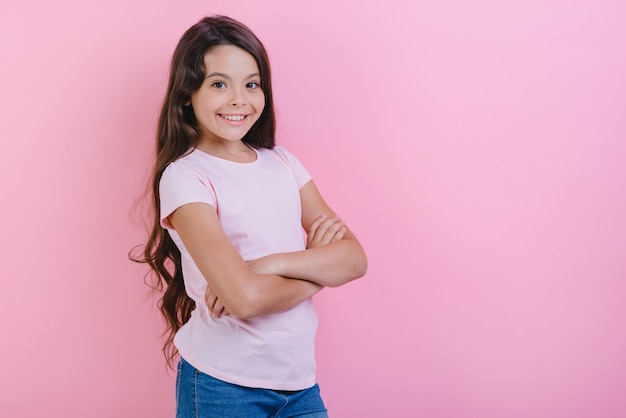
(236, 151)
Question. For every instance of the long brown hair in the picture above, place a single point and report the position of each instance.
(177, 134)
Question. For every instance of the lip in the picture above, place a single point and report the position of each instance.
(236, 122)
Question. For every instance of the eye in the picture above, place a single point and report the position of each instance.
(253, 85)
(219, 84)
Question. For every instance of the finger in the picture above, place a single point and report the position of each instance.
(339, 235)
(324, 225)
(218, 308)
(211, 300)
(313, 227)
(328, 229)
(316, 223)
(326, 232)
(321, 218)
(213, 304)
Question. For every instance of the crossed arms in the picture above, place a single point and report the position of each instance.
(333, 257)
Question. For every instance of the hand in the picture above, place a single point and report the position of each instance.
(325, 230)
(213, 303)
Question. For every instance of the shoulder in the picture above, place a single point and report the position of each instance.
(281, 151)
(283, 154)
(292, 163)
(190, 168)
(184, 181)
(189, 160)
(192, 162)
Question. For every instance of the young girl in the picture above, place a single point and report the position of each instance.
(227, 242)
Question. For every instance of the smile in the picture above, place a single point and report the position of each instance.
(234, 118)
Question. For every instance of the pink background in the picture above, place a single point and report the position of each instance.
(476, 147)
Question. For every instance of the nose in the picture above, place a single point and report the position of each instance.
(237, 97)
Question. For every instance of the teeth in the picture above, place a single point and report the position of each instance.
(234, 117)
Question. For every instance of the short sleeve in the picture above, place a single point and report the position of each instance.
(301, 174)
(179, 186)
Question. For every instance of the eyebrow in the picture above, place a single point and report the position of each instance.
(226, 76)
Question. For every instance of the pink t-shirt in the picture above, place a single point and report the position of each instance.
(259, 207)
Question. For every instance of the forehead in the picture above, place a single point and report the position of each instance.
(230, 59)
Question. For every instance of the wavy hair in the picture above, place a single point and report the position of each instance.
(177, 134)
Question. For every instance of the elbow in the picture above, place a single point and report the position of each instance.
(243, 313)
(356, 269)
(362, 268)
(359, 266)
(246, 306)
(240, 311)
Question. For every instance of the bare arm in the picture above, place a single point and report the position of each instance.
(237, 289)
(333, 264)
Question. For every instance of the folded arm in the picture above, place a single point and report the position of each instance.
(233, 286)
(334, 262)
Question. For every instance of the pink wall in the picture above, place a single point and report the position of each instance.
(476, 147)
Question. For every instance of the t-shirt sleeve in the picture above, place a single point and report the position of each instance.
(301, 174)
(179, 186)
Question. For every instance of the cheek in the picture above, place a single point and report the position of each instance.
(197, 112)
(260, 105)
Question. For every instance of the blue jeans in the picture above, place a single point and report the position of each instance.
(199, 395)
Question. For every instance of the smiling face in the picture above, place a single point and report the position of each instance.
(230, 100)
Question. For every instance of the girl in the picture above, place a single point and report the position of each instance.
(227, 242)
